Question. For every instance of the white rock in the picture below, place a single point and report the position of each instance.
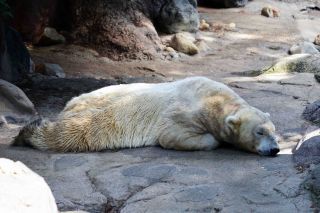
(22, 190)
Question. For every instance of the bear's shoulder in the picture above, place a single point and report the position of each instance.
(203, 84)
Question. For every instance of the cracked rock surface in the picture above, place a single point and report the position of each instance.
(157, 180)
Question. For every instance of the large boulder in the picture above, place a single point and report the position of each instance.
(14, 57)
(14, 104)
(312, 112)
(22, 190)
(307, 151)
(115, 28)
(178, 15)
(128, 29)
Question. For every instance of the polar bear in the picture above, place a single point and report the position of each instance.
(191, 114)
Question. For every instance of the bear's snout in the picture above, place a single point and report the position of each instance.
(268, 146)
(274, 151)
(271, 152)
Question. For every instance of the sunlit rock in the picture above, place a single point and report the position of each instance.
(22, 190)
(182, 43)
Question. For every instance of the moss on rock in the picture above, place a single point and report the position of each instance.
(301, 63)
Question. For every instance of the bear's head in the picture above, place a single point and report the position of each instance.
(252, 130)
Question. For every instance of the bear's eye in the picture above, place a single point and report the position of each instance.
(260, 132)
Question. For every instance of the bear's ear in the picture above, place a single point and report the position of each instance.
(232, 121)
(267, 114)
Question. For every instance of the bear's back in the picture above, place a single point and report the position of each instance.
(192, 88)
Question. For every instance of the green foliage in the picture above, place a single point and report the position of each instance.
(5, 11)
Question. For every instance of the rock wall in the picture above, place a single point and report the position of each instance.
(115, 28)
(30, 17)
(127, 29)
(14, 57)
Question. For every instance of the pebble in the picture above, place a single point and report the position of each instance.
(270, 12)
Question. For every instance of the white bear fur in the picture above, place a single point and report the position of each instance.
(191, 114)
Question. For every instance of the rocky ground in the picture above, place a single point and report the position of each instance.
(156, 180)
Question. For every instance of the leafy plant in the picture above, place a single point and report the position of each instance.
(5, 11)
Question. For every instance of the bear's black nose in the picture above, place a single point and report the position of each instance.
(274, 151)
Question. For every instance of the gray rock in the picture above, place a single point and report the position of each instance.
(308, 152)
(14, 104)
(22, 190)
(312, 112)
(297, 79)
(197, 194)
(75, 85)
(316, 179)
(113, 183)
(54, 70)
(178, 15)
(50, 36)
(313, 185)
(148, 171)
(14, 56)
(155, 180)
(303, 47)
(69, 162)
(296, 63)
(193, 171)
